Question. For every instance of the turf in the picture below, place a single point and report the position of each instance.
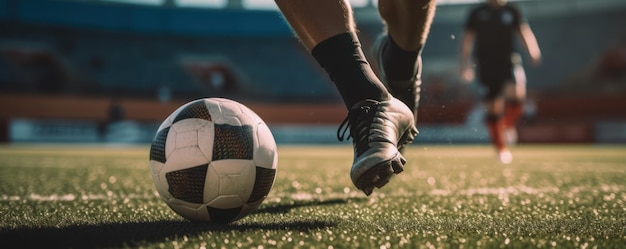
(447, 197)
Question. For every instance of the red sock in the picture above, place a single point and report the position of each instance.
(512, 112)
(495, 125)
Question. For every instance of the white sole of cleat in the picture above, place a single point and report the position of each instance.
(379, 175)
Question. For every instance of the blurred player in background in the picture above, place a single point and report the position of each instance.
(381, 118)
(490, 32)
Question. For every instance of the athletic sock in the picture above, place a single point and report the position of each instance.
(400, 64)
(495, 125)
(512, 112)
(344, 61)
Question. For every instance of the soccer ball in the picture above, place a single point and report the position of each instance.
(213, 160)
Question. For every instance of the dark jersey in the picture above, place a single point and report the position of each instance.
(495, 30)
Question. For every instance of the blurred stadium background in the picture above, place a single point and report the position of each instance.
(110, 71)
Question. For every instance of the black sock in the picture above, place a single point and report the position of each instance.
(343, 59)
(404, 63)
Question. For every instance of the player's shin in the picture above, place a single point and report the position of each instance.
(495, 125)
(513, 112)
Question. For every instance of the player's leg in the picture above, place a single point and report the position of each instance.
(378, 123)
(327, 30)
(494, 119)
(515, 94)
(495, 125)
(408, 21)
(398, 49)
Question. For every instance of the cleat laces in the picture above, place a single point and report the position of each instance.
(363, 124)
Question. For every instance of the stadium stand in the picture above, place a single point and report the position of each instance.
(66, 59)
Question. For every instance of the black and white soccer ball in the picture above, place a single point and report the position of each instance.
(213, 160)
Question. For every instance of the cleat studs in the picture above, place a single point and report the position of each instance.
(368, 190)
(397, 168)
(382, 183)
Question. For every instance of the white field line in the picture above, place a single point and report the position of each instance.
(347, 193)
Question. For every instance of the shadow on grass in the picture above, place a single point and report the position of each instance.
(133, 233)
(128, 234)
(286, 207)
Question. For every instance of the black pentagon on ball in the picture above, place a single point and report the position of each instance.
(195, 109)
(157, 149)
(233, 142)
(223, 216)
(188, 184)
(263, 182)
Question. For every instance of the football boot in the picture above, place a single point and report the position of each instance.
(505, 156)
(377, 129)
(408, 91)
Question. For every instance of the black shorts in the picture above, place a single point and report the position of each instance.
(495, 72)
(494, 78)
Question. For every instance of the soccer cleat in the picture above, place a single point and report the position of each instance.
(408, 91)
(505, 156)
(377, 129)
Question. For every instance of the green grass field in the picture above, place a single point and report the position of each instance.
(551, 196)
